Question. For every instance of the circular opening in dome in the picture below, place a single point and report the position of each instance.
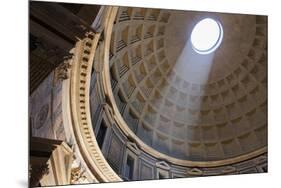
(206, 36)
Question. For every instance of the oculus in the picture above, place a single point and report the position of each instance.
(206, 36)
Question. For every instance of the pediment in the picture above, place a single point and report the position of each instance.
(229, 169)
(163, 164)
(195, 172)
(133, 147)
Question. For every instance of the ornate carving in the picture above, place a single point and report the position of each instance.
(63, 70)
(42, 116)
(77, 175)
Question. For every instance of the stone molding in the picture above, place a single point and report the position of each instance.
(80, 76)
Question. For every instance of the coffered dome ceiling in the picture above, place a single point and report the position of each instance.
(183, 104)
